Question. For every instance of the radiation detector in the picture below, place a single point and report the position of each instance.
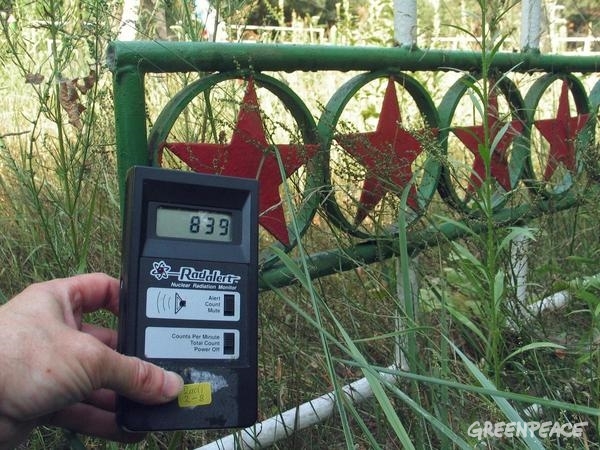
(189, 295)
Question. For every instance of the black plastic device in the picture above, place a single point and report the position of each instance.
(189, 295)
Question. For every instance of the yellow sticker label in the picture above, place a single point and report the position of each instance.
(197, 394)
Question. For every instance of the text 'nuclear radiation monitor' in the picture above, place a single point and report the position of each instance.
(189, 295)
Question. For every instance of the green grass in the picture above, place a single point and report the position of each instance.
(59, 216)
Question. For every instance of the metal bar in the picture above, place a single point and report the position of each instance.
(163, 57)
(130, 122)
(343, 259)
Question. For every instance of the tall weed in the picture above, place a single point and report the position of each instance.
(57, 158)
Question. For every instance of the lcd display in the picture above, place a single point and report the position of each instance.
(193, 224)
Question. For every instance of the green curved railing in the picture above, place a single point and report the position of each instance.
(568, 134)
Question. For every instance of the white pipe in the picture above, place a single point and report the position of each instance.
(561, 298)
(558, 299)
(303, 416)
(550, 303)
(531, 24)
(405, 22)
(128, 25)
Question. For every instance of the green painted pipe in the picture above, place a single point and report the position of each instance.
(130, 124)
(340, 260)
(160, 57)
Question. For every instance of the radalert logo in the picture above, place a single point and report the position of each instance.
(162, 271)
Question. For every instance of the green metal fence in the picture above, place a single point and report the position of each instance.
(410, 154)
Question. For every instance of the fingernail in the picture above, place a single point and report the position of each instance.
(173, 385)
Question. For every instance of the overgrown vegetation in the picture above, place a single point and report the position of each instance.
(473, 349)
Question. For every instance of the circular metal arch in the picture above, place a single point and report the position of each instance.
(328, 122)
(582, 141)
(519, 147)
(314, 181)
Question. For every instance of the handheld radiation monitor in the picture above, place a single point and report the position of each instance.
(189, 295)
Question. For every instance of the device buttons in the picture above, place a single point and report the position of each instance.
(229, 305)
(229, 343)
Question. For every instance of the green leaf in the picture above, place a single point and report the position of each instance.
(509, 411)
(463, 319)
(498, 288)
(532, 346)
(514, 233)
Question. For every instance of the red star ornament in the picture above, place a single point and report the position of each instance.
(473, 138)
(561, 133)
(249, 155)
(386, 153)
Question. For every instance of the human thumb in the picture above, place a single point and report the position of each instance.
(139, 380)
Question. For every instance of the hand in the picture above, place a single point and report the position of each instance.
(56, 370)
